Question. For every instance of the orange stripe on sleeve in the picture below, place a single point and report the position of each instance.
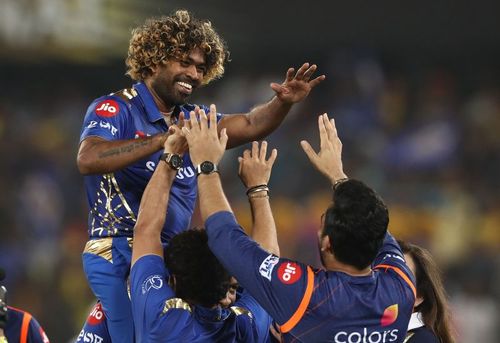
(400, 273)
(297, 316)
(25, 327)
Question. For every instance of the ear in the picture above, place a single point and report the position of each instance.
(325, 243)
(418, 301)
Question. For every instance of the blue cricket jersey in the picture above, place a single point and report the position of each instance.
(314, 305)
(23, 328)
(114, 198)
(95, 329)
(161, 317)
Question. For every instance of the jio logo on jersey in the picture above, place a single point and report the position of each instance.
(96, 316)
(289, 272)
(107, 108)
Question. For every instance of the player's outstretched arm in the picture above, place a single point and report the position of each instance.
(151, 217)
(265, 118)
(255, 172)
(328, 160)
(205, 145)
(98, 156)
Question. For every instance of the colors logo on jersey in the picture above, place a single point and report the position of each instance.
(289, 272)
(267, 266)
(390, 315)
(107, 108)
(154, 281)
(96, 316)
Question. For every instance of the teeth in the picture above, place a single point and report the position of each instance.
(186, 85)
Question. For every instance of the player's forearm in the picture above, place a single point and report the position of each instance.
(211, 195)
(98, 156)
(153, 207)
(152, 212)
(264, 227)
(257, 124)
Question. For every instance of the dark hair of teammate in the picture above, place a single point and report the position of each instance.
(356, 223)
(434, 307)
(199, 276)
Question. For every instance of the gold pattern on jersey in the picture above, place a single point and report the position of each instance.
(100, 247)
(109, 191)
(103, 247)
(176, 303)
(240, 310)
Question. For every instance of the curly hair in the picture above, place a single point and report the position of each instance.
(173, 37)
(199, 276)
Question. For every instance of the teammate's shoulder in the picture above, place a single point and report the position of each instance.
(176, 303)
(238, 311)
(421, 335)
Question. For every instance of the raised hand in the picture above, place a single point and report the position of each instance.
(176, 142)
(254, 169)
(203, 139)
(297, 85)
(329, 158)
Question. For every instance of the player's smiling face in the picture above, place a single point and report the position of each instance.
(174, 81)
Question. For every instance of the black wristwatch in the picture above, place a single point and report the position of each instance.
(206, 167)
(173, 160)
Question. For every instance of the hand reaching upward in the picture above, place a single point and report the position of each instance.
(328, 160)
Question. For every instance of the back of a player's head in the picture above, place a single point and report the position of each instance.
(434, 307)
(199, 276)
(356, 223)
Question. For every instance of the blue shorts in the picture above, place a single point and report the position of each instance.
(106, 262)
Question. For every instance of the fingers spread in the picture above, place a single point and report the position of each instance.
(272, 158)
(255, 149)
(246, 154)
(309, 72)
(323, 136)
(223, 138)
(213, 118)
(301, 71)
(289, 74)
(311, 154)
(203, 120)
(263, 151)
(317, 81)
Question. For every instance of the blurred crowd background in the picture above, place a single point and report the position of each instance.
(414, 89)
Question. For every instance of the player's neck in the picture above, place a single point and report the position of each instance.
(162, 106)
(336, 266)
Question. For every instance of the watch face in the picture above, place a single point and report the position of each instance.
(207, 167)
(176, 161)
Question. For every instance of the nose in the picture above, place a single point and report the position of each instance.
(192, 72)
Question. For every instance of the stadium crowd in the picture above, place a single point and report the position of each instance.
(425, 137)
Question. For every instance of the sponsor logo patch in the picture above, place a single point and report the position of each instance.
(96, 316)
(289, 272)
(107, 108)
(154, 281)
(390, 315)
(267, 266)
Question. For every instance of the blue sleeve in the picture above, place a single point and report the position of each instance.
(107, 118)
(260, 317)
(36, 333)
(278, 285)
(148, 291)
(391, 255)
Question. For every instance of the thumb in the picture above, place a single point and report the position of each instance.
(223, 138)
(240, 161)
(277, 87)
(311, 154)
